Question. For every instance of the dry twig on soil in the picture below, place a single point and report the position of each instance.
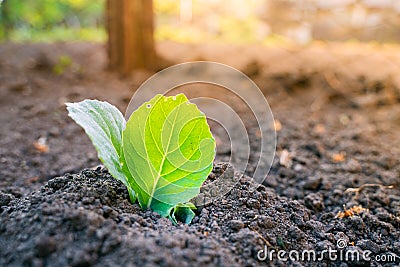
(351, 212)
(358, 190)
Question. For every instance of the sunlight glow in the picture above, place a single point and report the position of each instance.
(186, 11)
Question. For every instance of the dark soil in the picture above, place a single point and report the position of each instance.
(339, 118)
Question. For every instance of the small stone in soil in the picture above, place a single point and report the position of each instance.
(236, 225)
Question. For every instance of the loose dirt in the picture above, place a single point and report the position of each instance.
(333, 184)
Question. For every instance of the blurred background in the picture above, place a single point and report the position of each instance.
(240, 21)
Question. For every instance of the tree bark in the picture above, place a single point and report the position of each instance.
(130, 35)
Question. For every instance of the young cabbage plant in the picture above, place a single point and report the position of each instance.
(162, 154)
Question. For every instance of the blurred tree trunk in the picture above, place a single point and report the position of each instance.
(130, 35)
